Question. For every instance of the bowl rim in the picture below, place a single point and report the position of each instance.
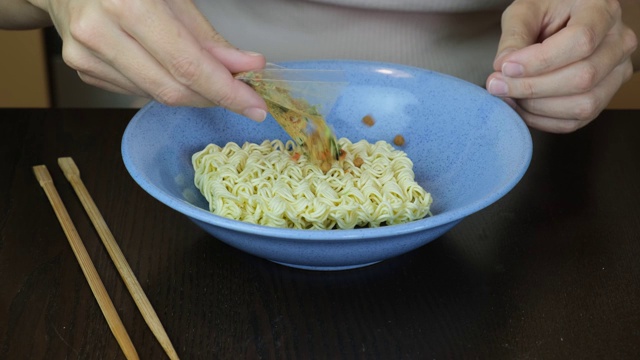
(429, 222)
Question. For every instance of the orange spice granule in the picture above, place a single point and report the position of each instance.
(368, 120)
(398, 140)
(357, 162)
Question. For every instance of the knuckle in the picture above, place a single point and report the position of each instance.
(630, 41)
(587, 77)
(117, 7)
(515, 34)
(185, 70)
(546, 60)
(82, 29)
(588, 109)
(226, 99)
(614, 8)
(528, 90)
(127, 14)
(225, 93)
(74, 57)
(587, 40)
(171, 96)
(627, 71)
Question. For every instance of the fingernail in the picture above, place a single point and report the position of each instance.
(498, 87)
(250, 53)
(512, 69)
(255, 114)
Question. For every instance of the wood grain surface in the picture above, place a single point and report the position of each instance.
(550, 271)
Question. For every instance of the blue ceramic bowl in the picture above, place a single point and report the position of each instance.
(468, 147)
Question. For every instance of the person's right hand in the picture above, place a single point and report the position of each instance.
(161, 49)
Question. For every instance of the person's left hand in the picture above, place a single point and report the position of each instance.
(559, 62)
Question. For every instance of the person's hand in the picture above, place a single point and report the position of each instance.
(161, 49)
(559, 62)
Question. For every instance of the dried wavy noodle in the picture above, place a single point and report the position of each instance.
(264, 184)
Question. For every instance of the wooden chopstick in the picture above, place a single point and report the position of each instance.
(89, 270)
(72, 173)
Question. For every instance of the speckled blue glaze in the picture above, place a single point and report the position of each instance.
(468, 148)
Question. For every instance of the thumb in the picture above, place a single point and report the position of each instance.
(520, 28)
(238, 60)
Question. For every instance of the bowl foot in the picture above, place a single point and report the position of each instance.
(325, 268)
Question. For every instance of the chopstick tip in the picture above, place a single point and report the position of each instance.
(69, 167)
(42, 174)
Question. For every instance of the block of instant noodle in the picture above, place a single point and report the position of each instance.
(272, 184)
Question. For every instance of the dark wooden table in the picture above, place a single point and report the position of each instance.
(550, 271)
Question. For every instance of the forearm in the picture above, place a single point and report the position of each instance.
(631, 18)
(20, 14)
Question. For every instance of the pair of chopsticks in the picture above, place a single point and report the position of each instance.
(72, 174)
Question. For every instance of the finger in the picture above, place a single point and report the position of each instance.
(588, 24)
(121, 51)
(568, 114)
(233, 59)
(584, 107)
(95, 72)
(576, 78)
(100, 83)
(520, 28)
(552, 125)
(170, 42)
